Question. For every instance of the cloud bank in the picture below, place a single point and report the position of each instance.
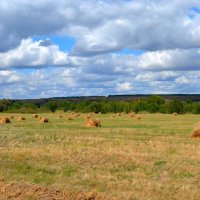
(166, 32)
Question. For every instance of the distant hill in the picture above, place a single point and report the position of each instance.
(182, 97)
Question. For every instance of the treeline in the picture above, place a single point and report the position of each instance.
(152, 104)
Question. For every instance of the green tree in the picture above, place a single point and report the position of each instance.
(52, 105)
(176, 106)
(196, 108)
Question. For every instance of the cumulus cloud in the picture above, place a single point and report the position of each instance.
(43, 53)
(75, 82)
(33, 54)
(46, 43)
(103, 26)
(9, 77)
(167, 31)
(171, 60)
(124, 87)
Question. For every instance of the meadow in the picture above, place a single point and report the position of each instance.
(153, 158)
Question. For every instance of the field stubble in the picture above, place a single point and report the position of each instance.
(148, 159)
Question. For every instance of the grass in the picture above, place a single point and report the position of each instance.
(151, 158)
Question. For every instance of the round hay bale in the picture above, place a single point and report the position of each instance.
(131, 113)
(91, 122)
(174, 113)
(76, 115)
(69, 118)
(44, 120)
(4, 120)
(21, 118)
(116, 115)
(87, 117)
(91, 114)
(196, 131)
(137, 117)
(35, 116)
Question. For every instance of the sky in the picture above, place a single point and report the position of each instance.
(66, 48)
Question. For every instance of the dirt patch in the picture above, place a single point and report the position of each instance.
(25, 191)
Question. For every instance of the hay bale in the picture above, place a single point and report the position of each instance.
(91, 122)
(87, 117)
(44, 120)
(21, 118)
(137, 117)
(174, 113)
(132, 114)
(4, 120)
(76, 115)
(69, 118)
(35, 116)
(91, 114)
(196, 131)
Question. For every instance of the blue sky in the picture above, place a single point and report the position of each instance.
(74, 48)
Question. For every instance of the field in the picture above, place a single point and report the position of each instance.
(153, 158)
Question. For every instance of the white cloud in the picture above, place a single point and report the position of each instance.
(9, 77)
(171, 60)
(121, 87)
(168, 31)
(182, 80)
(32, 54)
(103, 26)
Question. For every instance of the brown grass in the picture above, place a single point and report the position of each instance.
(25, 191)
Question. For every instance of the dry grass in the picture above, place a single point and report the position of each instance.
(25, 191)
(148, 159)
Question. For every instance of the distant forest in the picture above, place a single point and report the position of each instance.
(111, 104)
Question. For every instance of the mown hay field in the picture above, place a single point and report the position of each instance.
(129, 159)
